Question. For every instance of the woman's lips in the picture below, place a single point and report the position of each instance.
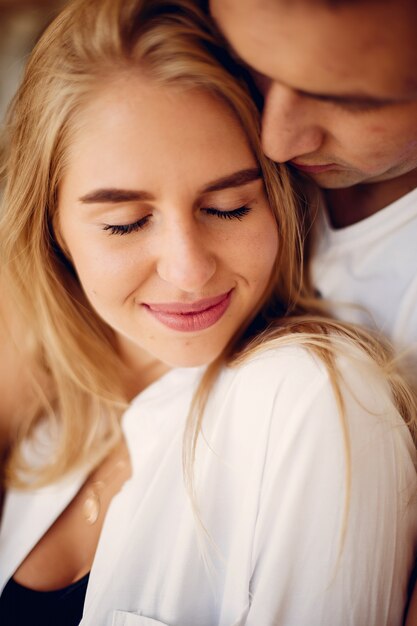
(194, 316)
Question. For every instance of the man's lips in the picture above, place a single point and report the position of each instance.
(190, 317)
(313, 169)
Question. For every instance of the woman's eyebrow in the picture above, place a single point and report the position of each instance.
(113, 196)
(242, 177)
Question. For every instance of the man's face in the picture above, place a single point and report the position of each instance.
(340, 84)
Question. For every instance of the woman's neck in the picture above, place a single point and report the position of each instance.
(142, 369)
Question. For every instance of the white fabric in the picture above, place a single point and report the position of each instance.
(373, 264)
(272, 485)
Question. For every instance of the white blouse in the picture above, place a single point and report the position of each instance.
(280, 539)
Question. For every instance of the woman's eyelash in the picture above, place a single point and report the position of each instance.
(125, 229)
(238, 213)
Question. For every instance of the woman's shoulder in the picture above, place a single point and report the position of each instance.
(278, 369)
(297, 364)
(279, 362)
(299, 411)
(292, 385)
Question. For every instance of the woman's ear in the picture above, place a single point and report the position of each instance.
(58, 240)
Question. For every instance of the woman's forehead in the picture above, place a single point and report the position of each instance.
(152, 134)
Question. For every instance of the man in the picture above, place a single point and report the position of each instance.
(339, 79)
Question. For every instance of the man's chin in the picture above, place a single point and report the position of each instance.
(337, 179)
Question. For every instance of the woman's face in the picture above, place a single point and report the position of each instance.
(163, 212)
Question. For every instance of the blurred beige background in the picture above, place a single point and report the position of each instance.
(21, 23)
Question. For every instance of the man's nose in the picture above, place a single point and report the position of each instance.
(290, 128)
(185, 260)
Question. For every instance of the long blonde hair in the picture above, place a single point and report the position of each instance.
(173, 43)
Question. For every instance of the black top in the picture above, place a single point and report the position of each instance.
(20, 606)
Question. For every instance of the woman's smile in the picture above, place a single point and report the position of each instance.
(194, 316)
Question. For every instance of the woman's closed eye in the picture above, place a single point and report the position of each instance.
(238, 213)
(126, 229)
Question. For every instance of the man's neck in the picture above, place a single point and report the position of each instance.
(353, 204)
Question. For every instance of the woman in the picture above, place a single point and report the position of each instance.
(262, 474)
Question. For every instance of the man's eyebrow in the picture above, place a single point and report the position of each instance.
(113, 196)
(360, 98)
(237, 179)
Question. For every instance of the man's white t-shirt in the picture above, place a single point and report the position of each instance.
(373, 265)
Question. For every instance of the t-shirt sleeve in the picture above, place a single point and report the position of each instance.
(336, 525)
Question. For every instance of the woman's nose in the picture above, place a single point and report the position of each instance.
(185, 260)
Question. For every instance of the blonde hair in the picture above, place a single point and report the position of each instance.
(173, 43)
